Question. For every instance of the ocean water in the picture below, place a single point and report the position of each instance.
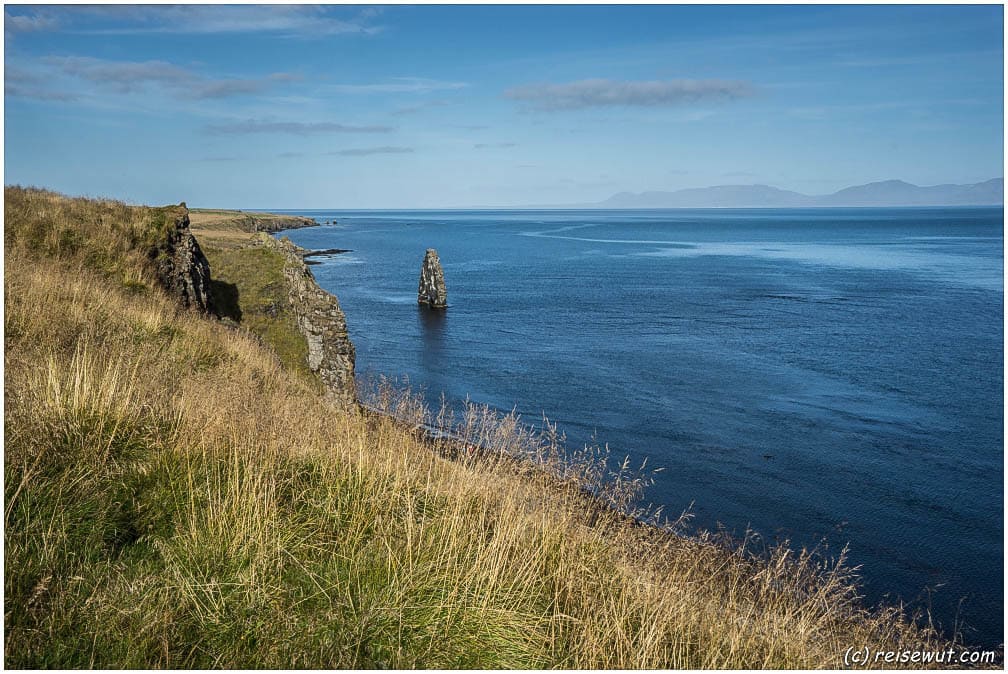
(827, 376)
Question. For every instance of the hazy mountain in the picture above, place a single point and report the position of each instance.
(885, 193)
(724, 196)
(899, 193)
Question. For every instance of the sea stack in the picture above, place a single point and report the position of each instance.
(432, 291)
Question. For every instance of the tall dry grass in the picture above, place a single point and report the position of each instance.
(175, 498)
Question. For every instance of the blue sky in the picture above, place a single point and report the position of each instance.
(453, 106)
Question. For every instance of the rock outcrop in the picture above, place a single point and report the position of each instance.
(432, 290)
(272, 223)
(182, 268)
(319, 317)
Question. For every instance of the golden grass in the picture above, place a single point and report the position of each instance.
(174, 497)
(232, 228)
(222, 229)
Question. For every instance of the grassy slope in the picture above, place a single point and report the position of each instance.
(248, 284)
(175, 497)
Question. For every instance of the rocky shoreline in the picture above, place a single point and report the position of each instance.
(272, 223)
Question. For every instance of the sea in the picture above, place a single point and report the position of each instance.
(829, 377)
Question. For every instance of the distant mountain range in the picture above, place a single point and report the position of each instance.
(885, 193)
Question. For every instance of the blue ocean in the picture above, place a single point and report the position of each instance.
(826, 376)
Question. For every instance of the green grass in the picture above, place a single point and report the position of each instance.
(107, 236)
(249, 288)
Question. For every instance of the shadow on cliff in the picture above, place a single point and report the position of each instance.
(225, 300)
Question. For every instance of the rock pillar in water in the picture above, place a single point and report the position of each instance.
(432, 289)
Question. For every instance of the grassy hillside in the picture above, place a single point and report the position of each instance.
(176, 497)
(249, 283)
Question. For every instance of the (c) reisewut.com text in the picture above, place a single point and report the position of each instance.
(864, 657)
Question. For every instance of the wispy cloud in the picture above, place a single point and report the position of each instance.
(121, 76)
(398, 85)
(29, 23)
(366, 151)
(351, 152)
(125, 77)
(282, 20)
(252, 126)
(29, 84)
(830, 111)
(921, 59)
(36, 92)
(605, 93)
(410, 109)
(487, 146)
(224, 88)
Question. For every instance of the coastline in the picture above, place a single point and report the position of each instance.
(880, 581)
(249, 221)
(324, 510)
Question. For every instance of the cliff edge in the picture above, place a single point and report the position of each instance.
(219, 221)
(272, 223)
(320, 319)
(182, 268)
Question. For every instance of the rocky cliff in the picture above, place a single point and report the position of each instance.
(319, 316)
(432, 290)
(271, 223)
(182, 268)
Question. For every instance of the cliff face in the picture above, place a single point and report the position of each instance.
(182, 268)
(330, 352)
(432, 290)
(271, 223)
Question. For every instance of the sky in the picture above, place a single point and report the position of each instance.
(300, 107)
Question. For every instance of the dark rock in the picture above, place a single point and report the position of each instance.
(269, 223)
(182, 268)
(432, 290)
(325, 251)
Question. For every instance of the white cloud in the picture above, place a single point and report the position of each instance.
(604, 93)
(398, 85)
(252, 126)
(366, 151)
(124, 77)
(29, 23)
(284, 20)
